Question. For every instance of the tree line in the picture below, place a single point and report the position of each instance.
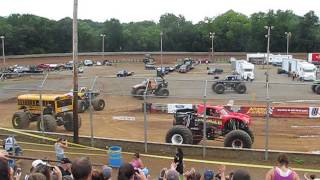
(234, 32)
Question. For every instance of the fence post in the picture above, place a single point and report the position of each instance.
(204, 139)
(91, 112)
(145, 125)
(41, 103)
(266, 154)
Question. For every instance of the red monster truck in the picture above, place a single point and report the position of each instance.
(188, 127)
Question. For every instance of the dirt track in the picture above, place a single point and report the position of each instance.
(115, 91)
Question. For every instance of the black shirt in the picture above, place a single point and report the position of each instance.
(178, 159)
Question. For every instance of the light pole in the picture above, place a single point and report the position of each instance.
(3, 55)
(267, 95)
(161, 34)
(75, 71)
(211, 35)
(102, 35)
(288, 34)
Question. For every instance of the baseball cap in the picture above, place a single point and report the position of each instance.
(106, 171)
(172, 175)
(37, 162)
(65, 160)
(208, 175)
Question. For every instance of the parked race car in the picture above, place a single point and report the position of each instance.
(124, 73)
(188, 127)
(157, 87)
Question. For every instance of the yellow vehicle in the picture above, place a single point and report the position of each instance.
(84, 100)
(56, 108)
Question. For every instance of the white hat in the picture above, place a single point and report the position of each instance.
(38, 162)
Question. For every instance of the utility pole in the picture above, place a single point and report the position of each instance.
(75, 71)
(288, 34)
(267, 95)
(211, 35)
(3, 55)
(161, 34)
(103, 35)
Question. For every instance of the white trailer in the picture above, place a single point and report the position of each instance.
(244, 69)
(302, 69)
(306, 71)
(261, 58)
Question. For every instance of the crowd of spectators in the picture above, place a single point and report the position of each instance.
(82, 169)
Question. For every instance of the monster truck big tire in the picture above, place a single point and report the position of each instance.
(20, 120)
(317, 89)
(49, 123)
(68, 121)
(250, 133)
(98, 104)
(140, 93)
(241, 88)
(163, 92)
(213, 86)
(179, 135)
(81, 106)
(237, 139)
(219, 89)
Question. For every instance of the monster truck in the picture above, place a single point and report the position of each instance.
(84, 100)
(231, 82)
(316, 86)
(188, 127)
(156, 86)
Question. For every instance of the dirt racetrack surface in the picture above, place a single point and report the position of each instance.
(292, 134)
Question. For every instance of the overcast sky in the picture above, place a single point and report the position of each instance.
(138, 10)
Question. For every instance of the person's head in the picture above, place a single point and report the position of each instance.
(107, 172)
(81, 168)
(37, 176)
(172, 174)
(4, 169)
(60, 139)
(179, 150)
(241, 175)
(136, 155)
(43, 169)
(208, 175)
(96, 175)
(126, 172)
(283, 160)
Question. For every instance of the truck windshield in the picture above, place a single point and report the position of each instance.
(247, 70)
(224, 112)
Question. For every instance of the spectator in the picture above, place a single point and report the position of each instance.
(126, 172)
(37, 176)
(43, 169)
(241, 175)
(81, 169)
(107, 172)
(137, 162)
(5, 171)
(96, 175)
(59, 147)
(282, 171)
(208, 175)
(178, 160)
(172, 174)
(65, 167)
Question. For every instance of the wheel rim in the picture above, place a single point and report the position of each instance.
(15, 121)
(177, 139)
(101, 104)
(237, 143)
